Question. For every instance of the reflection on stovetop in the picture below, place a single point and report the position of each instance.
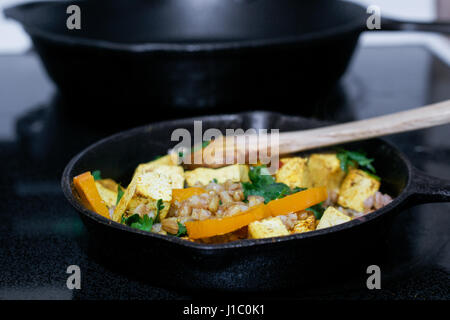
(42, 235)
(53, 133)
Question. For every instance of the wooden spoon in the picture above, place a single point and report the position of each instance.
(226, 150)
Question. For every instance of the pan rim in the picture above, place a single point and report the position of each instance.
(210, 248)
(351, 26)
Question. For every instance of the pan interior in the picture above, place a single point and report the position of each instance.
(191, 21)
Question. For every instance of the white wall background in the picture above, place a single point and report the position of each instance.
(413, 10)
(14, 40)
(419, 10)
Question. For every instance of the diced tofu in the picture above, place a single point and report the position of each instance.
(332, 217)
(175, 173)
(168, 160)
(107, 188)
(308, 224)
(324, 170)
(235, 173)
(147, 189)
(108, 184)
(356, 188)
(271, 227)
(292, 172)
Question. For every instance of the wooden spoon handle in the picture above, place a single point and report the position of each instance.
(229, 151)
(424, 117)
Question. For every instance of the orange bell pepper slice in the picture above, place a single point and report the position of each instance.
(213, 227)
(292, 203)
(297, 201)
(87, 190)
(183, 194)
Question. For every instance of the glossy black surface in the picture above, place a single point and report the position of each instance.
(193, 57)
(156, 24)
(41, 234)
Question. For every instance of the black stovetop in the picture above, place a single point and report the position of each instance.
(41, 235)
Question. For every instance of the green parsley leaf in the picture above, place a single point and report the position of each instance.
(317, 209)
(135, 221)
(205, 144)
(215, 180)
(260, 175)
(182, 231)
(350, 158)
(343, 161)
(131, 219)
(264, 185)
(147, 223)
(119, 194)
(373, 175)
(202, 146)
(97, 175)
(159, 207)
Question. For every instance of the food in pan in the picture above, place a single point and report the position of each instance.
(238, 201)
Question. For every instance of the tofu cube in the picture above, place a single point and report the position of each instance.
(270, 227)
(356, 188)
(107, 188)
(147, 189)
(305, 225)
(235, 173)
(332, 217)
(324, 170)
(175, 173)
(292, 172)
(167, 160)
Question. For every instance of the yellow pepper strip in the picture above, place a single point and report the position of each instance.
(297, 201)
(183, 194)
(213, 227)
(87, 190)
(292, 203)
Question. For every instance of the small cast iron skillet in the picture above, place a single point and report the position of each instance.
(259, 264)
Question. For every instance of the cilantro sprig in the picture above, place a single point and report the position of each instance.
(355, 158)
(146, 223)
(97, 175)
(317, 210)
(135, 221)
(120, 193)
(159, 207)
(182, 231)
(264, 185)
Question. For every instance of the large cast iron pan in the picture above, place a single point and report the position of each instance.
(191, 55)
(263, 264)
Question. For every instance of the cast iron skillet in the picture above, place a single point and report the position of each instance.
(194, 56)
(262, 264)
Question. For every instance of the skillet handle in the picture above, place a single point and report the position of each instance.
(397, 25)
(426, 188)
